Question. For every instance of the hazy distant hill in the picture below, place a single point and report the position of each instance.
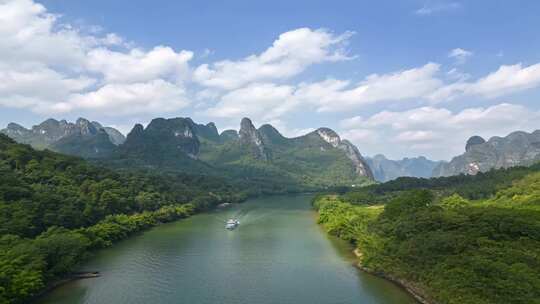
(385, 169)
(82, 138)
(517, 149)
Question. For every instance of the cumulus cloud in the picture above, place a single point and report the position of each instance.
(156, 96)
(36, 87)
(336, 95)
(30, 34)
(138, 65)
(288, 56)
(264, 100)
(423, 83)
(507, 79)
(437, 6)
(331, 95)
(436, 131)
(51, 67)
(460, 55)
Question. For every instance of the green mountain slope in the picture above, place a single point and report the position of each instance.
(256, 158)
(260, 159)
(312, 160)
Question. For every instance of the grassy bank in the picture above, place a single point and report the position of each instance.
(450, 249)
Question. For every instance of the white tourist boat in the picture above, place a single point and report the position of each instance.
(232, 223)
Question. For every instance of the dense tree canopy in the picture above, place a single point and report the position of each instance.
(55, 208)
(480, 186)
(457, 250)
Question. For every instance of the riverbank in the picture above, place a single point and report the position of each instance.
(415, 291)
(64, 280)
(329, 206)
(447, 250)
(102, 235)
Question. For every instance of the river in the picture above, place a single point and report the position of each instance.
(277, 255)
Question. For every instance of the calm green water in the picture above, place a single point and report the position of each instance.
(278, 255)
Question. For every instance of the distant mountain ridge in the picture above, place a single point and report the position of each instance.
(261, 155)
(385, 169)
(516, 149)
(82, 138)
(318, 158)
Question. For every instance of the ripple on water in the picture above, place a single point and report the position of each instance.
(277, 255)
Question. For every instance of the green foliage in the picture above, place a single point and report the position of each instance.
(456, 250)
(55, 209)
(27, 265)
(480, 186)
(42, 189)
(408, 203)
(306, 163)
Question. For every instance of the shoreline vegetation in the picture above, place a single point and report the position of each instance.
(444, 248)
(64, 280)
(118, 228)
(55, 210)
(414, 291)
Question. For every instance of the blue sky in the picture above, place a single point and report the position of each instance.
(402, 78)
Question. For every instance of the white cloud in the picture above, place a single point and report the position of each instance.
(331, 95)
(138, 65)
(36, 87)
(264, 100)
(416, 136)
(438, 132)
(336, 95)
(455, 74)
(460, 55)
(436, 6)
(288, 56)
(507, 79)
(423, 84)
(156, 96)
(30, 34)
(48, 66)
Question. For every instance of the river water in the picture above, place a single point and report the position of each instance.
(277, 255)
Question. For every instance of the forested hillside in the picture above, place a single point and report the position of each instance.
(480, 186)
(444, 246)
(54, 209)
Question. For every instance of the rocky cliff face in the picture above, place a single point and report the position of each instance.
(115, 136)
(94, 145)
(318, 158)
(51, 130)
(385, 169)
(516, 149)
(351, 151)
(82, 138)
(250, 137)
